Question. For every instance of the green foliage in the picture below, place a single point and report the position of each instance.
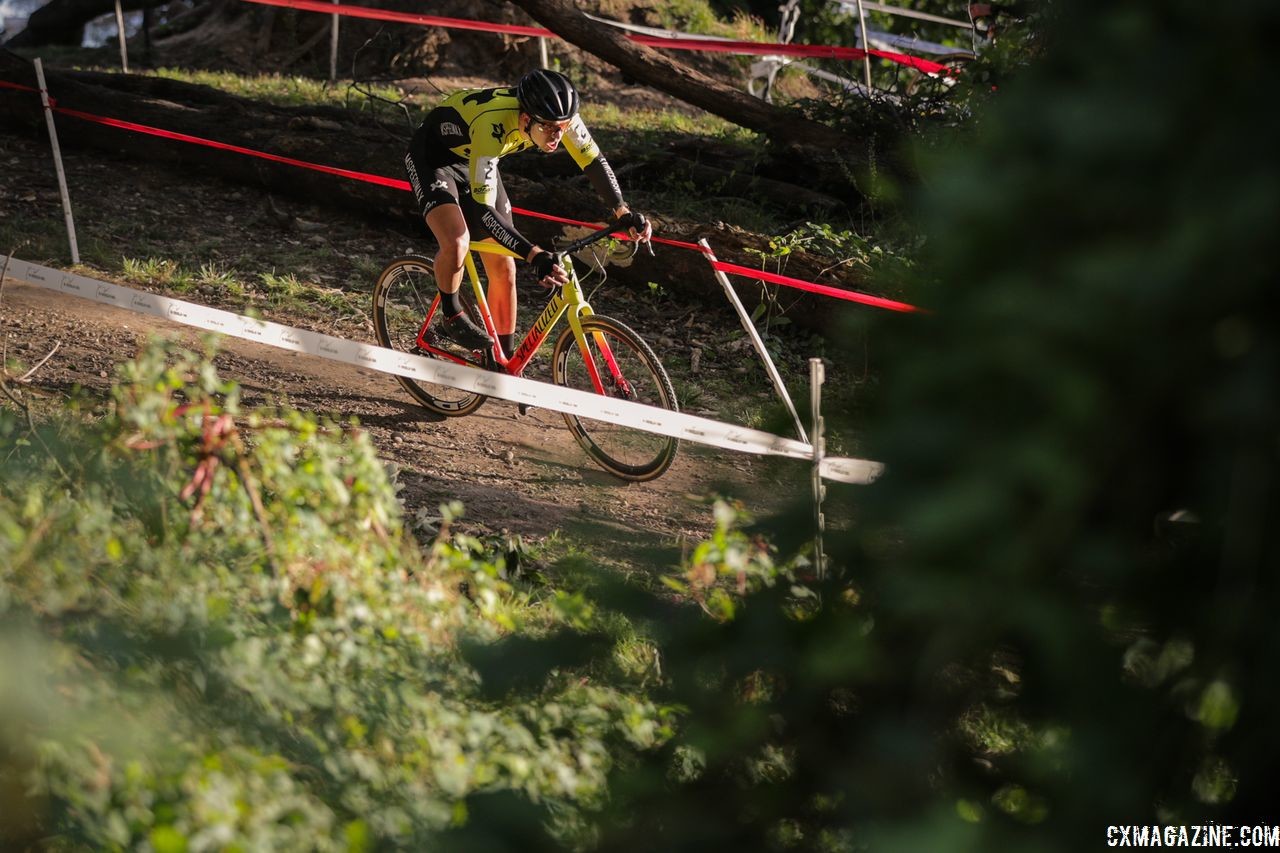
(847, 246)
(838, 248)
(1058, 603)
(700, 17)
(1053, 613)
(218, 633)
(225, 281)
(1089, 371)
(938, 108)
(730, 565)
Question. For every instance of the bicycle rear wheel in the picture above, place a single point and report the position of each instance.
(402, 300)
(635, 374)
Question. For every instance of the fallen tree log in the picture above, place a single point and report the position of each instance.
(331, 137)
(785, 126)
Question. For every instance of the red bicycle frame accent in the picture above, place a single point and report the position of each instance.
(568, 299)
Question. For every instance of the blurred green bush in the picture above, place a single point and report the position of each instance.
(216, 633)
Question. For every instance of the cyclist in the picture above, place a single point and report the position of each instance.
(453, 166)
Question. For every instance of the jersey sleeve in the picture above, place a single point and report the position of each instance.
(584, 151)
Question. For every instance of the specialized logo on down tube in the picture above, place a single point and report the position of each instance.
(540, 326)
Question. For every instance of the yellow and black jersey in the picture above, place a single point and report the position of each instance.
(480, 126)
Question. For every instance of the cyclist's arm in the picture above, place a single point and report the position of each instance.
(482, 168)
(587, 155)
(502, 229)
(584, 151)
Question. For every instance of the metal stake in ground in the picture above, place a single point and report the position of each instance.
(333, 46)
(57, 162)
(817, 375)
(866, 46)
(750, 329)
(124, 52)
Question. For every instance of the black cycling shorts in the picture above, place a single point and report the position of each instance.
(441, 186)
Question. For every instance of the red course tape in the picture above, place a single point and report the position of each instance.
(813, 287)
(394, 183)
(754, 48)
(406, 17)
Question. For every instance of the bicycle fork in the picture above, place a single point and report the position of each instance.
(616, 379)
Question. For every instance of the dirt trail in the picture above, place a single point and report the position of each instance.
(520, 474)
(313, 268)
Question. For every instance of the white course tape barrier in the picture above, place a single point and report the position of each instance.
(544, 395)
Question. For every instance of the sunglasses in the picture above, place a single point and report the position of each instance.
(552, 127)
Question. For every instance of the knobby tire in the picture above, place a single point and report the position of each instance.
(402, 297)
(627, 453)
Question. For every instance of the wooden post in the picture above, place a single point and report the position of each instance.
(57, 163)
(543, 59)
(817, 375)
(124, 52)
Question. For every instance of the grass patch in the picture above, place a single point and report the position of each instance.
(161, 272)
(281, 289)
(698, 17)
(610, 117)
(211, 275)
(283, 90)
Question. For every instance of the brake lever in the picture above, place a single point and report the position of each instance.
(648, 243)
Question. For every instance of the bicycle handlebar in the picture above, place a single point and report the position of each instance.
(594, 237)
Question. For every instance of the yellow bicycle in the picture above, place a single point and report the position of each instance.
(594, 353)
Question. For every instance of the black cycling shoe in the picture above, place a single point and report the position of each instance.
(463, 332)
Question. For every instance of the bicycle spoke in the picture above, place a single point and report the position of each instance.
(612, 360)
(403, 298)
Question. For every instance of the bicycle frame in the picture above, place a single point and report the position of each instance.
(568, 302)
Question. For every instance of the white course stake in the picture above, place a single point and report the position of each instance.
(866, 45)
(754, 336)
(124, 52)
(333, 46)
(817, 375)
(57, 162)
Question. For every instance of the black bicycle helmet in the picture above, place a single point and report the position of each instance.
(547, 95)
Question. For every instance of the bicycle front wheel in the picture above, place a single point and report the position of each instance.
(627, 370)
(402, 299)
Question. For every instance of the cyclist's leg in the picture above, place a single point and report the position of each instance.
(500, 269)
(438, 201)
(450, 230)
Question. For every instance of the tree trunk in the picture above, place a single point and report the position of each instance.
(62, 21)
(779, 124)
